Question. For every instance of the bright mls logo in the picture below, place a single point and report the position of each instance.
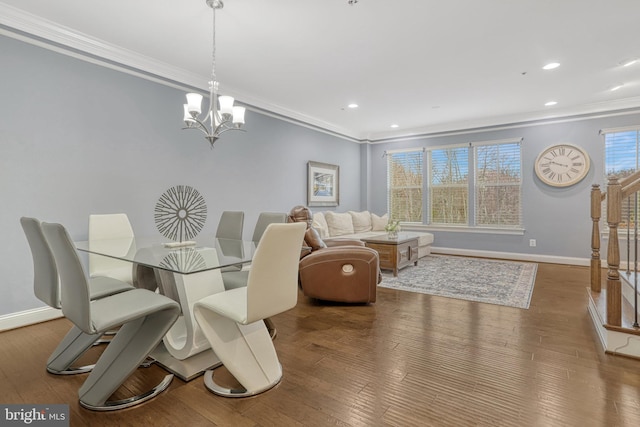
(37, 415)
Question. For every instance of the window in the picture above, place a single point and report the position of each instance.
(498, 185)
(622, 158)
(449, 185)
(621, 153)
(404, 175)
(477, 184)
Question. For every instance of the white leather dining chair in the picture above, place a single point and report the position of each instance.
(232, 321)
(264, 219)
(143, 318)
(113, 233)
(238, 278)
(230, 225)
(46, 287)
(111, 229)
(230, 228)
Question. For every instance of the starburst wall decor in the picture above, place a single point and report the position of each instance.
(184, 259)
(180, 213)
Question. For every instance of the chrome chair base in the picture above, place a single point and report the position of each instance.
(88, 368)
(215, 388)
(72, 370)
(114, 405)
(146, 363)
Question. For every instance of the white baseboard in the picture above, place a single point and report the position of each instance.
(513, 256)
(28, 317)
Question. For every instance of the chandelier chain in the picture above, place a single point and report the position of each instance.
(213, 49)
(213, 90)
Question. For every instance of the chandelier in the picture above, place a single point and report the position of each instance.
(228, 117)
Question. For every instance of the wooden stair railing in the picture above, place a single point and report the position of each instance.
(617, 191)
(597, 197)
(614, 288)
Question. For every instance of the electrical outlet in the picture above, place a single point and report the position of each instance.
(532, 242)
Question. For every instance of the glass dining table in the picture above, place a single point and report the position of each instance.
(185, 273)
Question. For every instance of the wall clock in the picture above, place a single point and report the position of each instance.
(562, 165)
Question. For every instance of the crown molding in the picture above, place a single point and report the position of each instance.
(596, 109)
(33, 29)
(31, 26)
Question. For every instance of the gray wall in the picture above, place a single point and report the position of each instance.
(77, 138)
(558, 218)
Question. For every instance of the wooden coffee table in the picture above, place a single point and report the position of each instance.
(394, 253)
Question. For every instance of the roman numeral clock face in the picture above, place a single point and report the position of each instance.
(562, 165)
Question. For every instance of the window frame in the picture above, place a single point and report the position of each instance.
(419, 152)
(431, 186)
(471, 189)
(518, 183)
(623, 228)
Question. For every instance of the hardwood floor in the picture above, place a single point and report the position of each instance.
(409, 359)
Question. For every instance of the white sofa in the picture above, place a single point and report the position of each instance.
(356, 225)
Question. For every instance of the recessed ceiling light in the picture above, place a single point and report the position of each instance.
(550, 103)
(394, 126)
(551, 66)
(628, 62)
(616, 87)
(352, 105)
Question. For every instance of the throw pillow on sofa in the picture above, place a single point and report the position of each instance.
(339, 223)
(379, 222)
(320, 224)
(361, 221)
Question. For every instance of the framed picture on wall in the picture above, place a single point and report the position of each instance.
(323, 184)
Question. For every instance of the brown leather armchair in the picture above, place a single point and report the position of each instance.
(337, 270)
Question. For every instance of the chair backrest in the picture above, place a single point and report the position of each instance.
(264, 219)
(74, 288)
(272, 286)
(230, 225)
(109, 226)
(46, 284)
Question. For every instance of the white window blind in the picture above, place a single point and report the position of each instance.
(621, 153)
(498, 185)
(404, 184)
(622, 158)
(449, 185)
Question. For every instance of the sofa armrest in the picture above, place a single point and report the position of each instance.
(343, 242)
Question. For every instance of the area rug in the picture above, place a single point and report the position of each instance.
(508, 283)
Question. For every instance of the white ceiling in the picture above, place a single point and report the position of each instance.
(427, 65)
